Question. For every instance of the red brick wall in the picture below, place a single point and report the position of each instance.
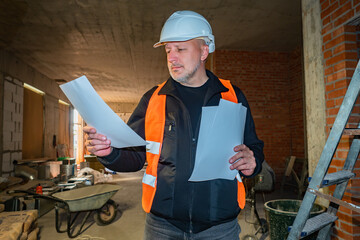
(340, 49)
(266, 78)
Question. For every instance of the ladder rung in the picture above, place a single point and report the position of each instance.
(351, 131)
(316, 223)
(336, 177)
(335, 200)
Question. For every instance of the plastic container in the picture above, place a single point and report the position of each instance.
(281, 214)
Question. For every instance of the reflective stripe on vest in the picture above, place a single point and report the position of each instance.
(154, 134)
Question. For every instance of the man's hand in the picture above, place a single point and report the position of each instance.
(243, 160)
(96, 143)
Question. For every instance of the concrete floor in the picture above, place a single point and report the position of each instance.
(129, 223)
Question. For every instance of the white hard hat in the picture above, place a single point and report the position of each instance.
(186, 25)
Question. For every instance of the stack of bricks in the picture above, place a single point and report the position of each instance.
(12, 123)
(341, 54)
(273, 85)
(19, 225)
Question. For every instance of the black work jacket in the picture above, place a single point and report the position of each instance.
(191, 206)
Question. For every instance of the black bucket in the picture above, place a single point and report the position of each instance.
(281, 214)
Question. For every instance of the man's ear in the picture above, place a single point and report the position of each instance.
(204, 52)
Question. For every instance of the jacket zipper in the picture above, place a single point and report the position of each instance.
(193, 139)
(192, 190)
(191, 166)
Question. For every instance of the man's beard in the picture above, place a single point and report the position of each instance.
(185, 78)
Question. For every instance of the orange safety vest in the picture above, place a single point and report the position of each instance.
(154, 134)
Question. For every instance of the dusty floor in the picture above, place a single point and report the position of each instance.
(129, 223)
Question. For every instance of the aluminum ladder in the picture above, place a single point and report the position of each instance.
(303, 225)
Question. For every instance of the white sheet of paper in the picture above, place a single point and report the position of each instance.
(221, 129)
(99, 115)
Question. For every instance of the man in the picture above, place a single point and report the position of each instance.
(168, 117)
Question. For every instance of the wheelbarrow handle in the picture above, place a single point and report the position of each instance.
(37, 195)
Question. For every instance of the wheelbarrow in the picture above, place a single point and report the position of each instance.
(86, 199)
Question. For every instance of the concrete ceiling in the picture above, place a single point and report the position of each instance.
(110, 41)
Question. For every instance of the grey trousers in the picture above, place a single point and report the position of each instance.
(157, 228)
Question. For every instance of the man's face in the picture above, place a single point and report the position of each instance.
(184, 59)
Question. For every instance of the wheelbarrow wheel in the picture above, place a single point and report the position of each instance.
(106, 214)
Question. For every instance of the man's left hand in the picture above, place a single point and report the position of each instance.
(243, 160)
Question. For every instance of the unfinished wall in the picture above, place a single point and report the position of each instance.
(341, 53)
(123, 110)
(272, 83)
(13, 73)
(12, 123)
(51, 127)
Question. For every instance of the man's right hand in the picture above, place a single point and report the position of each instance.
(96, 143)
